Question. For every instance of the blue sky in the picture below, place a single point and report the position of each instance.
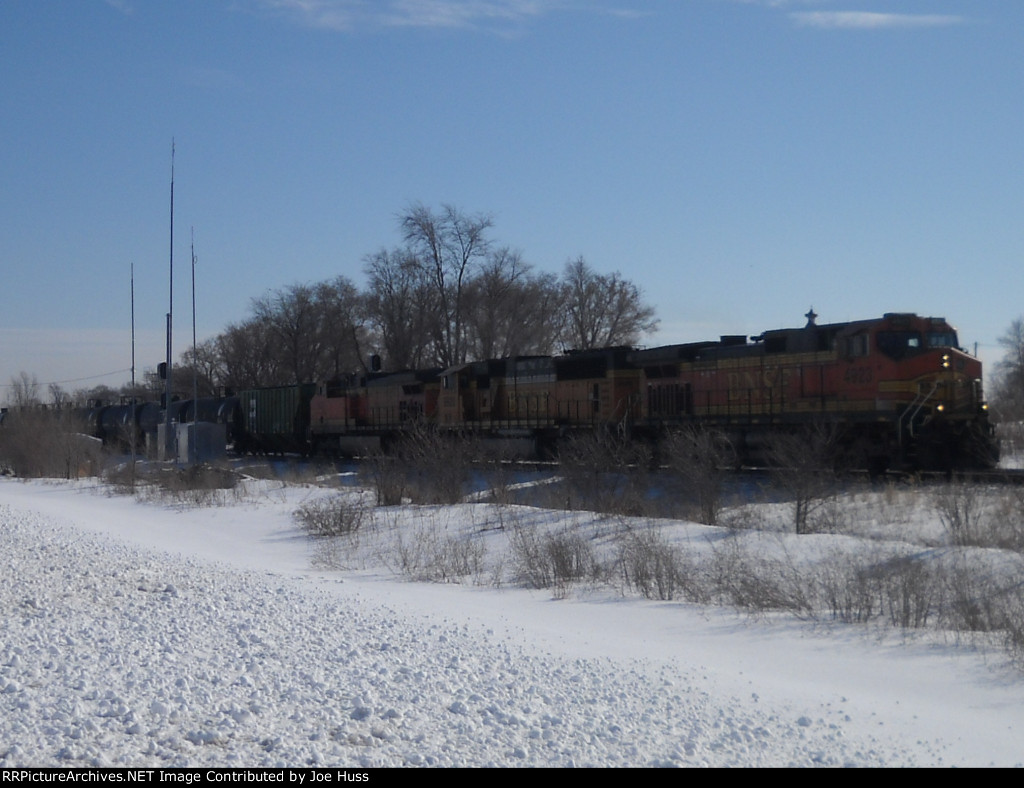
(740, 160)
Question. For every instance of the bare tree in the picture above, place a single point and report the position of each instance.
(58, 397)
(1008, 391)
(804, 465)
(203, 364)
(603, 310)
(291, 316)
(24, 391)
(35, 443)
(398, 305)
(448, 246)
(342, 327)
(511, 311)
(102, 393)
(247, 353)
(701, 457)
(314, 330)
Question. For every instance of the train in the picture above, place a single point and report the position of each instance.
(897, 392)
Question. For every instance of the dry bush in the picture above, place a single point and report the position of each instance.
(424, 466)
(1006, 520)
(960, 506)
(42, 443)
(848, 588)
(387, 477)
(701, 457)
(338, 515)
(973, 600)
(124, 479)
(911, 589)
(604, 473)
(429, 554)
(803, 465)
(653, 567)
(192, 487)
(553, 560)
(756, 582)
(437, 465)
(1013, 623)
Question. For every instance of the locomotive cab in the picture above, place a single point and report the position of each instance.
(933, 387)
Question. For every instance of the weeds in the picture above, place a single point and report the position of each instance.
(653, 567)
(429, 552)
(964, 580)
(339, 515)
(40, 442)
(193, 487)
(848, 589)
(552, 560)
(959, 507)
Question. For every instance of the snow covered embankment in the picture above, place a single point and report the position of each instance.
(110, 655)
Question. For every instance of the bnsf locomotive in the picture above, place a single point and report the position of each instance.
(897, 392)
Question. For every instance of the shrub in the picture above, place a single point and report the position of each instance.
(36, 442)
(656, 569)
(339, 515)
(756, 582)
(196, 485)
(552, 560)
(803, 465)
(960, 508)
(700, 457)
(848, 589)
(911, 591)
(604, 473)
(386, 475)
(424, 465)
(430, 554)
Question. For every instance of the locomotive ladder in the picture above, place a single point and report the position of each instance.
(912, 410)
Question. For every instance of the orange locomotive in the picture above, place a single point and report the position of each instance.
(897, 392)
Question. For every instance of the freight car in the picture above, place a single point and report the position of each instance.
(274, 420)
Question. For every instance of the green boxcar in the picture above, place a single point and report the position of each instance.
(276, 419)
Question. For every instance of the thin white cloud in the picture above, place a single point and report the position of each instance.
(869, 20)
(124, 6)
(322, 14)
(344, 15)
(461, 13)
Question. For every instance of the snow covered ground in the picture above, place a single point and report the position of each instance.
(147, 634)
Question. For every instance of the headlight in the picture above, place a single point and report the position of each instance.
(940, 407)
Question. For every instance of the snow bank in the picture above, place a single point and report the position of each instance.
(115, 654)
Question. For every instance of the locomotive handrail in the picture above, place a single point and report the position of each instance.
(913, 409)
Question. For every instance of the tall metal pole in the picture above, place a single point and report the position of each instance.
(194, 443)
(135, 415)
(168, 439)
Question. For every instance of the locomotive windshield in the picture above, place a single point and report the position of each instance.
(942, 339)
(899, 344)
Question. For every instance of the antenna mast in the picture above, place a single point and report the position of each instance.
(194, 441)
(135, 413)
(133, 331)
(169, 442)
